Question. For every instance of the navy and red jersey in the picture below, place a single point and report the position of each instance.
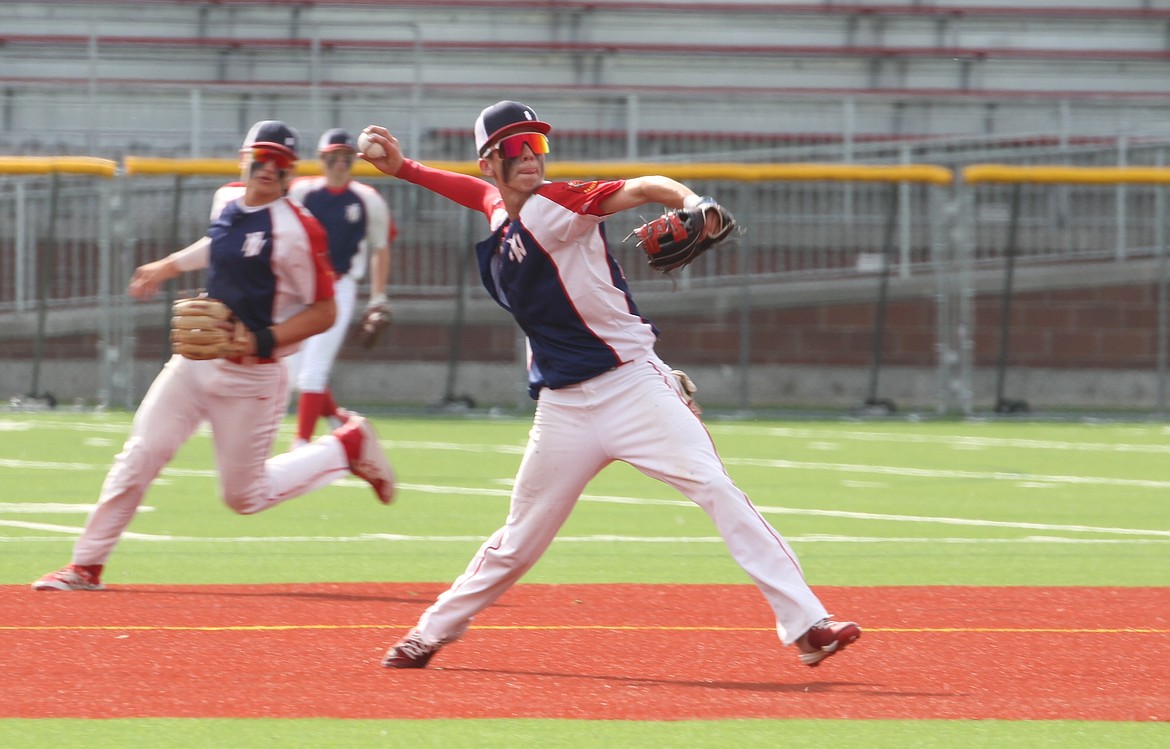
(356, 219)
(266, 262)
(553, 271)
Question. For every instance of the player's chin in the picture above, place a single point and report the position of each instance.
(528, 180)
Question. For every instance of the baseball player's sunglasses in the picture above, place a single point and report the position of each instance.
(269, 156)
(512, 146)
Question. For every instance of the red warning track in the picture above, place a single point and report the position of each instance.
(638, 652)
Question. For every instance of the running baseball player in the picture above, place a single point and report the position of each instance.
(360, 229)
(269, 282)
(602, 392)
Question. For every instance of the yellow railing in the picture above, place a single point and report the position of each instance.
(926, 173)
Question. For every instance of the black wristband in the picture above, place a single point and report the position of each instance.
(265, 342)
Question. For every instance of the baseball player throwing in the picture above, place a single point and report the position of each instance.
(267, 263)
(358, 224)
(602, 392)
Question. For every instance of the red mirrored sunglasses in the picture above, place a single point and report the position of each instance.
(512, 146)
(270, 156)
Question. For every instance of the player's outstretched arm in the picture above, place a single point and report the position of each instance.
(640, 191)
(148, 278)
(672, 194)
(470, 192)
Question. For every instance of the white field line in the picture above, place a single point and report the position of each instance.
(802, 465)
(966, 441)
(949, 473)
(962, 441)
(644, 501)
(601, 538)
(1034, 479)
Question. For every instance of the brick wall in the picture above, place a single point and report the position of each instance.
(1113, 327)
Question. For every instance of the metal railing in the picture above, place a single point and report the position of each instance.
(71, 232)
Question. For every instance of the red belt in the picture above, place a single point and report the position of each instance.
(250, 360)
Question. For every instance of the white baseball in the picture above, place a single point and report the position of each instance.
(368, 147)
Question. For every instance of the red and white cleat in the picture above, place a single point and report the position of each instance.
(72, 577)
(371, 463)
(825, 638)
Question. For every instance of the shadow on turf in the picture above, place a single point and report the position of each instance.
(809, 687)
(258, 593)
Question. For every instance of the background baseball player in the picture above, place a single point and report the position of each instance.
(267, 262)
(602, 392)
(358, 223)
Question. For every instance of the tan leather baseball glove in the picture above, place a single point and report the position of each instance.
(204, 328)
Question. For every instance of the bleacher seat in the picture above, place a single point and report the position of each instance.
(119, 76)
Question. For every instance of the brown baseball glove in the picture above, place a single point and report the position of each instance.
(204, 328)
(375, 319)
(689, 388)
(676, 238)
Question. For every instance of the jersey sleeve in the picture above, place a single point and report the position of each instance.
(197, 255)
(299, 187)
(319, 244)
(225, 195)
(318, 252)
(378, 221)
(194, 256)
(467, 191)
(583, 197)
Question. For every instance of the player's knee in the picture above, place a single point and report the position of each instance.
(710, 487)
(246, 502)
(145, 457)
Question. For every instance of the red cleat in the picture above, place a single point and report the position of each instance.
(410, 652)
(371, 463)
(72, 577)
(825, 638)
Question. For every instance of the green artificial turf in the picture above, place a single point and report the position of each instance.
(863, 504)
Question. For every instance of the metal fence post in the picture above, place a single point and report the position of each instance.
(45, 268)
(23, 240)
(1163, 288)
(107, 357)
(879, 324)
(169, 286)
(123, 260)
(464, 268)
(961, 325)
(1002, 404)
(745, 308)
(942, 209)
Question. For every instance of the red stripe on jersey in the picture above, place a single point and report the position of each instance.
(319, 247)
(581, 197)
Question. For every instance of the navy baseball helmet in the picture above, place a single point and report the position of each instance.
(336, 139)
(506, 117)
(272, 134)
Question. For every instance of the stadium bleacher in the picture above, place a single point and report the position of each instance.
(82, 74)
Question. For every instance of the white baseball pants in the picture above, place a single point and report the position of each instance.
(634, 414)
(244, 405)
